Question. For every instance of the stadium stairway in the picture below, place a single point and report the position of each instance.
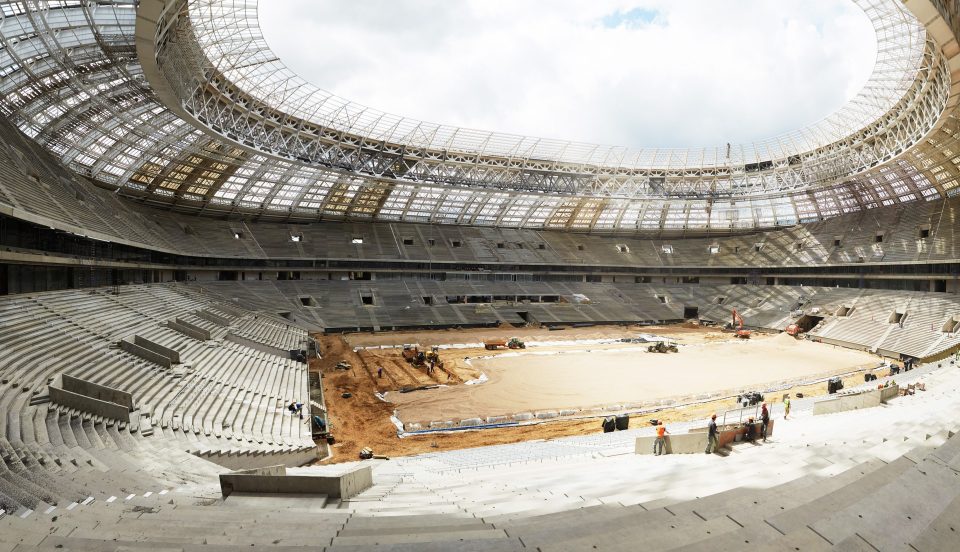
(884, 478)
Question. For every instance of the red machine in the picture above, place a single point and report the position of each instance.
(738, 323)
(793, 330)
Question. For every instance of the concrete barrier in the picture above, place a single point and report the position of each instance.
(88, 404)
(681, 443)
(696, 440)
(188, 329)
(146, 354)
(865, 399)
(97, 391)
(274, 480)
(211, 317)
(172, 354)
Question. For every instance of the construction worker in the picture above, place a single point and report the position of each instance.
(786, 407)
(712, 440)
(764, 421)
(660, 440)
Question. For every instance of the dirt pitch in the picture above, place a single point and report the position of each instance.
(364, 420)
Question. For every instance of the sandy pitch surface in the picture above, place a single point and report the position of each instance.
(529, 381)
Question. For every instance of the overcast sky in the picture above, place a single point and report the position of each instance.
(669, 73)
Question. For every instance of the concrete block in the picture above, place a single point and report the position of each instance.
(523, 416)
(274, 480)
(446, 424)
(470, 422)
(546, 415)
(682, 443)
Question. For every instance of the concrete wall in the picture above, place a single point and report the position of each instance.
(145, 353)
(273, 480)
(189, 329)
(99, 392)
(682, 443)
(212, 317)
(696, 440)
(242, 460)
(173, 355)
(888, 393)
(87, 404)
(866, 399)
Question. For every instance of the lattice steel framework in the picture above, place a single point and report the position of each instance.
(245, 134)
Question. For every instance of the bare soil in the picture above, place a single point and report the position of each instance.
(363, 419)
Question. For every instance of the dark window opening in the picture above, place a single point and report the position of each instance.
(427, 300)
(456, 243)
(691, 313)
(431, 242)
(580, 247)
(501, 245)
(836, 242)
(407, 241)
(541, 246)
(662, 298)
(924, 233)
(897, 317)
(879, 238)
(366, 299)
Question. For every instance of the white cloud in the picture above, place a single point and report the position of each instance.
(644, 73)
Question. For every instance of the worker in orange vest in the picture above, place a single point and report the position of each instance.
(660, 440)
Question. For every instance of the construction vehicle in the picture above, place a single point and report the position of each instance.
(738, 323)
(433, 355)
(513, 343)
(663, 347)
(793, 330)
(410, 353)
(413, 355)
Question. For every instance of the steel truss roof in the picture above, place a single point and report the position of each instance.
(212, 120)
